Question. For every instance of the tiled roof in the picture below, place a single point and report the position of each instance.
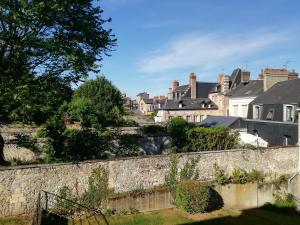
(224, 121)
(148, 101)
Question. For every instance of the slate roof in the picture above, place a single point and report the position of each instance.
(188, 104)
(139, 94)
(252, 88)
(182, 88)
(225, 121)
(148, 101)
(285, 92)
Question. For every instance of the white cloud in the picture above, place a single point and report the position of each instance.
(208, 50)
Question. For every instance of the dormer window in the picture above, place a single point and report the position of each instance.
(270, 114)
(180, 105)
(257, 112)
(202, 105)
(288, 113)
(209, 106)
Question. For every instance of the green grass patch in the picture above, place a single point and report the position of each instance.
(15, 221)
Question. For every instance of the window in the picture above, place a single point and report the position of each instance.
(256, 111)
(188, 118)
(180, 105)
(235, 110)
(270, 114)
(201, 118)
(197, 119)
(288, 113)
(244, 111)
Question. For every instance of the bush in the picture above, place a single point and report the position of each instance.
(192, 196)
(220, 176)
(41, 133)
(98, 190)
(153, 130)
(212, 138)
(239, 176)
(177, 128)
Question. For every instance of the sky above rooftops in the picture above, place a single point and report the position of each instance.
(163, 40)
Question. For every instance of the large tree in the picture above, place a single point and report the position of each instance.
(46, 41)
(97, 103)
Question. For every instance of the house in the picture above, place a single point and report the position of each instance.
(188, 101)
(272, 115)
(146, 106)
(226, 85)
(242, 95)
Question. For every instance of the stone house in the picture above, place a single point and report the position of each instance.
(189, 101)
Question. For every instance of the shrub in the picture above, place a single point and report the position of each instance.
(171, 179)
(98, 189)
(153, 130)
(212, 138)
(239, 176)
(41, 133)
(189, 170)
(24, 140)
(220, 176)
(257, 176)
(177, 128)
(285, 201)
(127, 146)
(192, 196)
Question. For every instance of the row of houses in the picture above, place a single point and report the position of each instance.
(259, 106)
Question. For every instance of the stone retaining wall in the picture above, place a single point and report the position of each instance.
(20, 185)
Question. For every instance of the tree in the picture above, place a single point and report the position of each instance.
(42, 41)
(97, 103)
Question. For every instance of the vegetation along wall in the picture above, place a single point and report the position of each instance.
(20, 185)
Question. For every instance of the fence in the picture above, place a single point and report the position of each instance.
(53, 209)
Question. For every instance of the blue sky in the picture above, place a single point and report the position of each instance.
(163, 40)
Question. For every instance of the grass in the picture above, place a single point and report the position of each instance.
(262, 216)
(15, 221)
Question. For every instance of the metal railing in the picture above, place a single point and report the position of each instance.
(52, 207)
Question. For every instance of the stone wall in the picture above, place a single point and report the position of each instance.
(19, 186)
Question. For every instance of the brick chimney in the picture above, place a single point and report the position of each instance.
(223, 80)
(175, 84)
(245, 76)
(272, 76)
(193, 85)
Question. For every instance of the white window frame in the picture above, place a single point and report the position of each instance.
(259, 112)
(285, 113)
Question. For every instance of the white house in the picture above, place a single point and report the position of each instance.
(240, 98)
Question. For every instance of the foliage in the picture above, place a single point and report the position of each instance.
(192, 196)
(239, 176)
(171, 179)
(188, 172)
(153, 130)
(52, 38)
(211, 138)
(63, 206)
(285, 201)
(97, 103)
(98, 189)
(41, 133)
(24, 140)
(220, 176)
(177, 128)
(127, 146)
(33, 100)
(280, 181)
(154, 113)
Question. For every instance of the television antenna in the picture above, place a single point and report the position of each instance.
(285, 65)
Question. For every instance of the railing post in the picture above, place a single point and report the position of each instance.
(46, 200)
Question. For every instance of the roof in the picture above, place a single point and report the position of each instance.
(189, 104)
(224, 121)
(203, 89)
(182, 88)
(142, 93)
(285, 92)
(148, 101)
(252, 88)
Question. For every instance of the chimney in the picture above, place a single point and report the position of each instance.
(175, 85)
(245, 76)
(170, 94)
(272, 76)
(193, 85)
